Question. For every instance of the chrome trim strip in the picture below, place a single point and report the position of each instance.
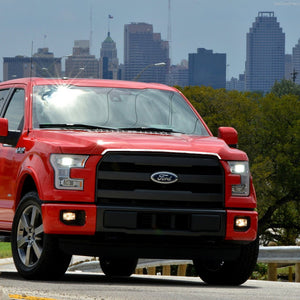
(158, 150)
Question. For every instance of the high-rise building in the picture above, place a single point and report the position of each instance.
(41, 64)
(45, 64)
(109, 63)
(288, 66)
(82, 64)
(265, 57)
(179, 74)
(237, 84)
(296, 62)
(142, 50)
(207, 68)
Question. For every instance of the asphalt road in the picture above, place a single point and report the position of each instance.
(82, 285)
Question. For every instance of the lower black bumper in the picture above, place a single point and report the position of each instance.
(149, 221)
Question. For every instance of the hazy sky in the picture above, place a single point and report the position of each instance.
(219, 25)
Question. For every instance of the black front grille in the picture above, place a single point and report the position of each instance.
(124, 179)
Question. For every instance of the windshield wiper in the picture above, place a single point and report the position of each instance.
(150, 129)
(75, 126)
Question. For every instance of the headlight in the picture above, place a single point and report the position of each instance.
(241, 168)
(62, 164)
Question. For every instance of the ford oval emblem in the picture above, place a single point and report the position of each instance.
(164, 177)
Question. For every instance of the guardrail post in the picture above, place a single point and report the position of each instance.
(151, 270)
(272, 267)
(181, 271)
(297, 272)
(297, 268)
(272, 272)
(290, 274)
(166, 270)
(139, 271)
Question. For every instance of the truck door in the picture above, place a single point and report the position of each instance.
(10, 157)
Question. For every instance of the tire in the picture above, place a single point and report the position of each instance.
(36, 255)
(236, 272)
(118, 267)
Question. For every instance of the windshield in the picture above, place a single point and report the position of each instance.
(93, 108)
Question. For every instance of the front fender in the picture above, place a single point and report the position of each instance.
(39, 170)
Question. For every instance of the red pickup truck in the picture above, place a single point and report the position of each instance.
(120, 170)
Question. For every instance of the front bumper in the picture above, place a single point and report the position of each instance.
(201, 223)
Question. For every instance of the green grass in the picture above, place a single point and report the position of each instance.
(5, 250)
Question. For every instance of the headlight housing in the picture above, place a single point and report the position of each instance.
(240, 168)
(62, 165)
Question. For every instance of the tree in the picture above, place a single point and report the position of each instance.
(285, 87)
(269, 133)
(276, 168)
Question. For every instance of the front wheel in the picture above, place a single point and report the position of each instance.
(36, 255)
(115, 267)
(223, 272)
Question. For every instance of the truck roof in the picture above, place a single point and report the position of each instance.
(89, 82)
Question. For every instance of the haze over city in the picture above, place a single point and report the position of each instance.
(212, 24)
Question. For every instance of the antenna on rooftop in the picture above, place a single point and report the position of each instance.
(91, 27)
(31, 58)
(169, 37)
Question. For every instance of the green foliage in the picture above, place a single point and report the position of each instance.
(285, 87)
(260, 272)
(5, 250)
(269, 132)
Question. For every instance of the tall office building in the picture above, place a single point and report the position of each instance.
(45, 64)
(288, 66)
(81, 63)
(143, 49)
(237, 84)
(41, 64)
(109, 63)
(179, 74)
(296, 62)
(265, 57)
(207, 68)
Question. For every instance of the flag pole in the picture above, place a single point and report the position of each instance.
(108, 22)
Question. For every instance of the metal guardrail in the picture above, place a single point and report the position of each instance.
(271, 255)
(275, 255)
(279, 254)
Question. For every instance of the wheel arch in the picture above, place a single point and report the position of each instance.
(26, 184)
(33, 172)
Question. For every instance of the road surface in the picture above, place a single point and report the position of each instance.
(79, 285)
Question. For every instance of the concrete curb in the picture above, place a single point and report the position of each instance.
(6, 261)
(3, 295)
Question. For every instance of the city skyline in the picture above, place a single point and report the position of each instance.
(216, 24)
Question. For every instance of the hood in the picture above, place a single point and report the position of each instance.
(96, 143)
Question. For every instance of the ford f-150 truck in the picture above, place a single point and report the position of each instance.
(120, 170)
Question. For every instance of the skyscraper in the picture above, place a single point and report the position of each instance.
(288, 64)
(179, 74)
(265, 57)
(41, 64)
(143, 49)
(296, 62)
(82, 63)
(207, 68)
(109, 63)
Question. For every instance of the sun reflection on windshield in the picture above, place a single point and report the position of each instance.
(63, 96)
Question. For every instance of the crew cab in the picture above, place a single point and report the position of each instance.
(121, 171)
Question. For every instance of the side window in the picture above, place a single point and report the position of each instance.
(15, 111)
(3, 95)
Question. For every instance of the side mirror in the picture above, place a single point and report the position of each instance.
(229, 135)
(3, 127)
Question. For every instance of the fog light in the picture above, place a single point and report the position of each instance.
(241, 223)
(73, 217)
(69, 216)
